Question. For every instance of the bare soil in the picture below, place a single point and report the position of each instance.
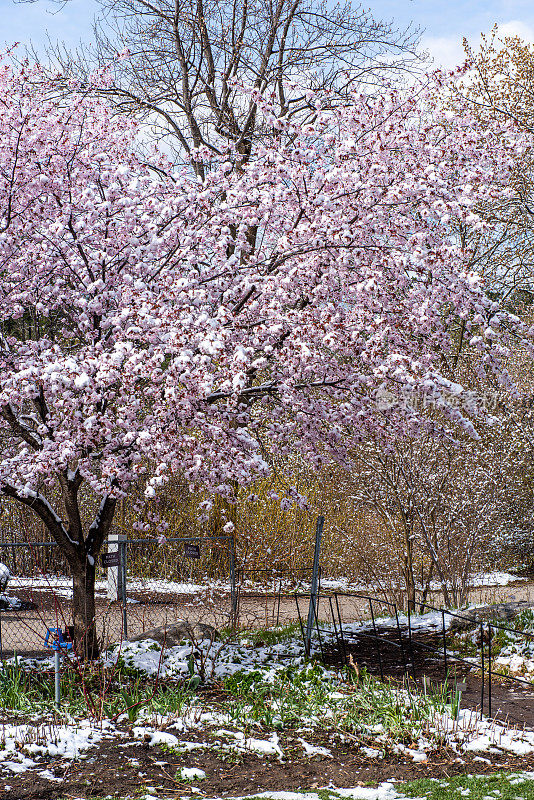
(122, 771)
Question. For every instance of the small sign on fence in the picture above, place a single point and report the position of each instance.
(191, 550)
(110, 559)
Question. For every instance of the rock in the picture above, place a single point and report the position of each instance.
(5, 577)
(8, 603)
(172, 634)
(504, 612)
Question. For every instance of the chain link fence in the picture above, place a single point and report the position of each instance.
(141, 585)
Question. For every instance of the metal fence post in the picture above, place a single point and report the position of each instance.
(483, 667)
(122, 585)
(489, 668)
(312, 612)
(377, 640)
(444, 635)
(233, 590)
(115, 573)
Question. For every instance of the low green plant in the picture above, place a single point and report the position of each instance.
(265, 637)
(22, 689)
(133, 703)
(95, 691)
(363, 706)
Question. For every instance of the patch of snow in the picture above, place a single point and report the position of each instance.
(264, 747)
(371, 752)
(22, 741)
(49, 776)
(494, 579)
(192, 774)
(287, 795)
(155, 737)
(385, 791)
(312, 750)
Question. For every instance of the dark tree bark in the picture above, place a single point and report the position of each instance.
(80, 547)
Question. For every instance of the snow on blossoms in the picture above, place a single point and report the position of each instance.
(149, 319)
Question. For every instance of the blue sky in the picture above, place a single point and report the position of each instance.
(445, 23)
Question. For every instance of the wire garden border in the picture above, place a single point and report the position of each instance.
(335, 631)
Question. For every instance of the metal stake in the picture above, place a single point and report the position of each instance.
(444, 643)
(122, 586)
(341, 630)
(483, 667)
(57, 676)
(377, 640)
(489, 669)
(315, 581)
(233, 592)
(410, 643)
(401, 643)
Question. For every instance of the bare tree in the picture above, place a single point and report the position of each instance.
(432, 508)
(185, 60)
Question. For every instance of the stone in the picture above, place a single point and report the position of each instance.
(173, 634)
(504, 612)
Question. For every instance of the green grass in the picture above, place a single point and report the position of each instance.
(499, 786)
(294, 696)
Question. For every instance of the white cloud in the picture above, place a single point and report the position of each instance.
(445, 51)
(517, 28)
(448, 51)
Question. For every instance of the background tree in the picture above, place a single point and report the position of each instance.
(432, 510)
(185, 62)
(186, 59)
(500, 85)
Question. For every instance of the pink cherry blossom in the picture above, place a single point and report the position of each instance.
(152, 323)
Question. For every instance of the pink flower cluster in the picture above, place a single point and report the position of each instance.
(152, 321)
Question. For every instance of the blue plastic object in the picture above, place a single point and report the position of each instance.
(55, 641)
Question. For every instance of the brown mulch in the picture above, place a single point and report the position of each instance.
(123, 771)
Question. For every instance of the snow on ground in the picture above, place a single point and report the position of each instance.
(512, 645)
(388, 790)
(27, 746)
(478, 580)
(62, 585)
(434, 620)
(23, 746)
(221, 659)
(470, 731)
(385, 791)
(494, 579)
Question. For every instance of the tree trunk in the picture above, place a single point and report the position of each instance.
(84, 632)
(85, 637)
(409, 572)
(80, 551)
